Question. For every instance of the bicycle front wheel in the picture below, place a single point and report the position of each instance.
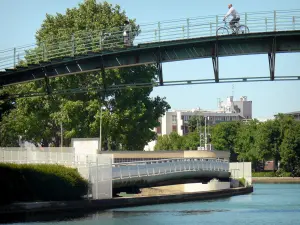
(222, 31)
(242, 29)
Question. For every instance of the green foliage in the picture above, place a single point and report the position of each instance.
(170, 142)
(224, 137)
(130, 114)
(242, 182)
(280, 173)
(195, 121)
(253, 141)
(40, 183)
(245, 141)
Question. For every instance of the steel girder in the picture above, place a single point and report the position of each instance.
(168, 52)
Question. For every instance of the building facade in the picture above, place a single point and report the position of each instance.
(177, 120)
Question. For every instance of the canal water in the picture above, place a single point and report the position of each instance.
(269, 204)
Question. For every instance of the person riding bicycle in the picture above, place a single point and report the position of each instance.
(236, 17)
(126, 33)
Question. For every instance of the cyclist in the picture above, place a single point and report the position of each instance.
(126, 33)
(236, 17)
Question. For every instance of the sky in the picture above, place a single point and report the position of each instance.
(20, 19)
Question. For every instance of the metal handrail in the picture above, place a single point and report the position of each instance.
(82, 42)
(131, 170)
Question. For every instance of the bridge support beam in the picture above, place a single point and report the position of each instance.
(159, 68)
(271, 56)
(47, 84)
(215, 60)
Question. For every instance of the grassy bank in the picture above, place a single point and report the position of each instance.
(271, 174)
(27, 183)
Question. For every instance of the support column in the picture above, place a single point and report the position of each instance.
(215, 60)
(159, 68)
(271, 56)
(47, 84)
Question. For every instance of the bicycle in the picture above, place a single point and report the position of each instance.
(236, 29)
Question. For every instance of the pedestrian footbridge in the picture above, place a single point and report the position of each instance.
(134, 175)
(156, 43)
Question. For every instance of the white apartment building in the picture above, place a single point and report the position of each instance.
(177, 120)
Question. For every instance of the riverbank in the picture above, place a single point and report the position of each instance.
(21, 210)
(275, 180)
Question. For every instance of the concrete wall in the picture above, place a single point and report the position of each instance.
(240, 170)
(161, 154)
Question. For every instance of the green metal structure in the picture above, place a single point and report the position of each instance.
(193, 38)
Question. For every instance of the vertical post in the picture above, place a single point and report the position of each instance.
(15, 57)
(205, 141)
(100, 131)
(158, 31)
(44, 52)
(274, 20)
(101, 40)
(243, 169)
(246, 17)
(61, 136)
(266, 22)
(188, 27)
(73, 45)
(293, 22)
(96, 177)
(217, 23)
(183, 32)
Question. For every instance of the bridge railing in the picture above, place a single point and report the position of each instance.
(167, 166)
(82, 42)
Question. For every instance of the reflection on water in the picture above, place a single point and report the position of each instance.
(269, 204)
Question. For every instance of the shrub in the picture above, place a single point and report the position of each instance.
(242, 182)
(279, 173)
(35, 182)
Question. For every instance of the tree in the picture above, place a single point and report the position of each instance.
(130, 113)
(173, 141)
(224, 137)
(195, 122)
(245, 141)
(268, 141)
(290, 149)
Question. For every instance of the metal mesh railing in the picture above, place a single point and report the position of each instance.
(83, 42)
(167, 166)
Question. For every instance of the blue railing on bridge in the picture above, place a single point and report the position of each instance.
(81, 42)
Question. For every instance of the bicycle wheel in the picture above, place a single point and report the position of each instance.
(222, 31)
(242, 29)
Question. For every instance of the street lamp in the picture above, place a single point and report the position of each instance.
(207, 117)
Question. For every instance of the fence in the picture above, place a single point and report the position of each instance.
(82, 42)
(97, 169)
(166, 166)
(100, 171)
(64, 156)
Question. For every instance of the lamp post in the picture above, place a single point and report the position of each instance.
(206, 118)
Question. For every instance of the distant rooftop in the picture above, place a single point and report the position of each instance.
(293, 113)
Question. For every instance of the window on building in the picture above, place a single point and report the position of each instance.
(174, 119)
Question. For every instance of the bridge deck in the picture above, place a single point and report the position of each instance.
(168, 51)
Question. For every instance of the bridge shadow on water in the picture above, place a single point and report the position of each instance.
(94, 214)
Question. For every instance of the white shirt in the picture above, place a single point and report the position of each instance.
(232, 12)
